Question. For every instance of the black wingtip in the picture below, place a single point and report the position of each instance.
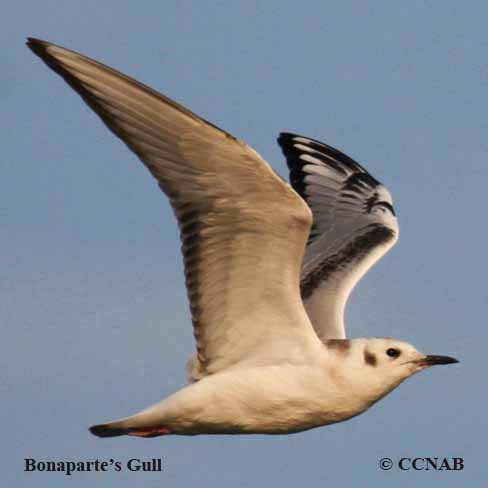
(335, 157)
(107, 430)
(35, 44)
(39, 48)
(285, 138)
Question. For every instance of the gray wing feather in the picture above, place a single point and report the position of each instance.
(354, 225)
(243, 229)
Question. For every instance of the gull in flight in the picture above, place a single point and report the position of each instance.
(268, 267)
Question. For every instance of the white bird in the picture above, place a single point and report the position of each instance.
(266, 361)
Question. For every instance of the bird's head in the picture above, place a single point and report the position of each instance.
(376, 366)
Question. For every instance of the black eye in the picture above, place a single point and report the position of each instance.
(392, 352)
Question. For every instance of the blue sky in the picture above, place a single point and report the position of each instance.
(93, 311)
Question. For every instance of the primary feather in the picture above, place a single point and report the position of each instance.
(354, 225)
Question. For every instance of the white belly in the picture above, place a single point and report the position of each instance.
(272, 400)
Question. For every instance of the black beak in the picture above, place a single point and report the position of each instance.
(432, 360)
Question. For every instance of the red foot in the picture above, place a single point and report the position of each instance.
(150, 432)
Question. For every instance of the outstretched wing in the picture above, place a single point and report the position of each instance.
(243, 229)
(354, 225)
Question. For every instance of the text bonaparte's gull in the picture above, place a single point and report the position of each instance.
(267, 306)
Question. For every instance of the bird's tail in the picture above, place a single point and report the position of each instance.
(110, 429)
(136, 425)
